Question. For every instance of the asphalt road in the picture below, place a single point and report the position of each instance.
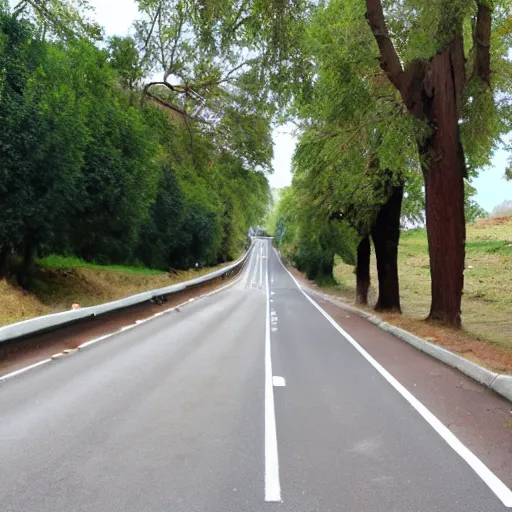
(187, 413)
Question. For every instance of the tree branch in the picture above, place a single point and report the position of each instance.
(187, 117)
(482, 43)
(389, 61)
(19, 8)
(222, 79)
(172, 88)
(177, 36)
(150, 33)
(162, 53)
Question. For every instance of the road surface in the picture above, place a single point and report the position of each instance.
(247, 400)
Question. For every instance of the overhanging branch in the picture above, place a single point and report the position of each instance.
(389, 61)
(482, 44)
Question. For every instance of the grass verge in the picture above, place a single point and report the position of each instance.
(60, 282)
(486, 337)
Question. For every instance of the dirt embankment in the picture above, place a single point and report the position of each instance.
(56, 289)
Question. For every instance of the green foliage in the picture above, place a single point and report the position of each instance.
(308, 240)
(57, 261)
(472, 210)
(91, 170)
(43, 136)
(66, 19)
(124, 58)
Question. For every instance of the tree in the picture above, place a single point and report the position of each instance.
(43, 136)
(62, 19)
(430, 74)
(124, 58)
(90, 169)
(362, 271)
(385, 236)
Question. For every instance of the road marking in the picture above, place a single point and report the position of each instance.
(261, 266)
(492, 481)
(105, 336)
(278, 382)
(255, 270)
(23, 370)
(272, 484)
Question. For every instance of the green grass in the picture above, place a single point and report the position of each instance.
(487, 299)
(490, 247)
(66, 262)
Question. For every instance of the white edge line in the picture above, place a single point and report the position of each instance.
(23, 370)
(261, 266)
(492, 481)
(100, 338)
(272, 484)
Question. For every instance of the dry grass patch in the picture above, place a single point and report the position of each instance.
(59, 283)
(486, 337)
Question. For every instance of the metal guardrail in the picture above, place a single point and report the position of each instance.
(48, 322)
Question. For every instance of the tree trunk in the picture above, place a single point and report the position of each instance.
(432, 91)
(444, 171)
(363, 271)
(5, 261)
(385, 235)
(25, 268)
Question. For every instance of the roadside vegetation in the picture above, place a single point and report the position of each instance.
(398, 120)
(98, 166)
(57, 283)
(152, 150)
(486, 336)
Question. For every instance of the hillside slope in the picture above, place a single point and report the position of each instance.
(60, 282)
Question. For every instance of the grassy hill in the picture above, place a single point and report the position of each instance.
(59, 282)
(487, 300)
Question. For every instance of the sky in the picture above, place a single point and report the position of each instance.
(492, 189)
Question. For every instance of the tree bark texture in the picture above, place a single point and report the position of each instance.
(444, 171)
(385, 235)
(363, 271)
(482, 44)
(432, 91)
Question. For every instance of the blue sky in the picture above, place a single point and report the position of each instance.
(117, 16)
(491, 186)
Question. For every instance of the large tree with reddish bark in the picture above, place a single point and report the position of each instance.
(438, 57)
(356, 149)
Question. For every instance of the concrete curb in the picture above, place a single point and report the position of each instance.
(501, 384)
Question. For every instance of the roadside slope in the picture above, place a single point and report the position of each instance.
(60, 282)
(486, 337)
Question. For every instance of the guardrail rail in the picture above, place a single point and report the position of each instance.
(41, 324)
